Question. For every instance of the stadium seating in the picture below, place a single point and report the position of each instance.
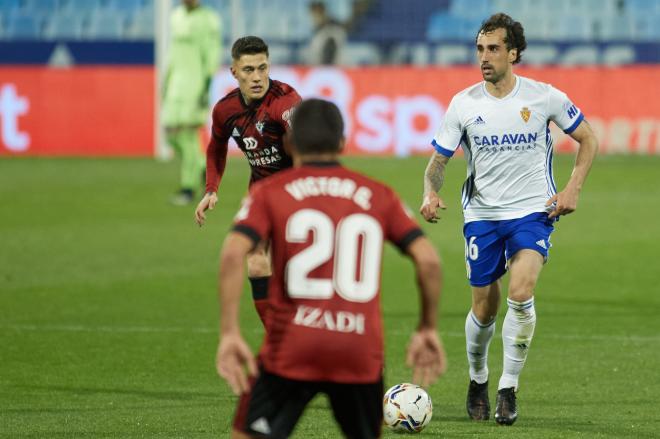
(141, 25)
(64, 26)
(23, 26)
(443, 26)
(386, 21)
(105, 26)
(84, 7)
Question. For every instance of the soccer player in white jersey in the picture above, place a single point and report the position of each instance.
(510, 201)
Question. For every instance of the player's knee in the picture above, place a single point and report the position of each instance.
(485, 302)
(484, 313)
(485, 310)
(522, 290)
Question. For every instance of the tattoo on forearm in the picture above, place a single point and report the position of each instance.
(434, 176)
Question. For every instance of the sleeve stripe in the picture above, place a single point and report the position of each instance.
(441, 150)
(248, 231)
(409, 238)
(572, 128)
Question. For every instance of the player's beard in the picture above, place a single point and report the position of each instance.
(493, 77)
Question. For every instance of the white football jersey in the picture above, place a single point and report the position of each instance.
(507, 146)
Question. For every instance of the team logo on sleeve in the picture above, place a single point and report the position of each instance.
(525, 113)
(244, 210)
(287, 115)
(407, 210)
(572, 111)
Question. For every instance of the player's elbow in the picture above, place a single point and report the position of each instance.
(591, 141)
(233, 253)
(429, 267)
(230, 260)
(595, 144)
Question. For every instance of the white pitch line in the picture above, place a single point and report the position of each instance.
(110, 329)
(202, 330)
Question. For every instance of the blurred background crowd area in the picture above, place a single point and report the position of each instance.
(371, 32)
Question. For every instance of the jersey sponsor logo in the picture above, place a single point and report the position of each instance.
(260, 126)
(302, 188)
(336, 321)
(541, 243)
(525, 113)
(250, 143)
(235, 133)
(263, 157)
(261, 425)
(505, 139)
(479, 121)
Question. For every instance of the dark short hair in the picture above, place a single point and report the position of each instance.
(515, 34)
(249, 45)
(317, 127)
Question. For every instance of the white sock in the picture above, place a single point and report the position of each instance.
(517, 332)
(477, 337)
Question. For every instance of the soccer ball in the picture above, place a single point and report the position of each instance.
(407, 407)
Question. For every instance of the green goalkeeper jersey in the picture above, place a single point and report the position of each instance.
(193, 59)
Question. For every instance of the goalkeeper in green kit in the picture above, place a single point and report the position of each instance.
(193, 59)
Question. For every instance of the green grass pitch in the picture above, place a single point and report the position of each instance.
(108, 309)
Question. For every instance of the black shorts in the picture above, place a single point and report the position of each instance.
(275, 404)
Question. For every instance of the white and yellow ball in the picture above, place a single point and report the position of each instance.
(407, 407)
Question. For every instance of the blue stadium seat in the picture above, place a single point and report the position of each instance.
(128, 6)
(570, 28)
(105, 26)
(646, 27)
(443, 26)
(141, 25)
(514, 8)
(64, 26)
(42, 6)
(642, 7)
(469, 28)
(618, 28)
(595, 8)
(84, 7)
(223, 7)
(359, 54)
(471, 8)
(23, 27)
(8, 6)
(536, 27)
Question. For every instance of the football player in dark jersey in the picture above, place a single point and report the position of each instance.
(256, 115)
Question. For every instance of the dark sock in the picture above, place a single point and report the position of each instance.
(259, 287)
(260, 295)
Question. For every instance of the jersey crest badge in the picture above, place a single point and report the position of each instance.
(525, 113)
(260, 127)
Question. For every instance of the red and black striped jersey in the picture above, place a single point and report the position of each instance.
(258, 128)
